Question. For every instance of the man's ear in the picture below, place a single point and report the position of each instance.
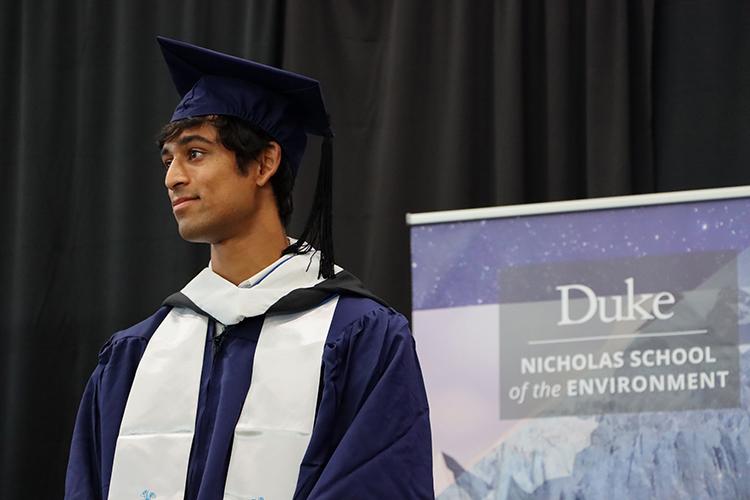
(268, 160)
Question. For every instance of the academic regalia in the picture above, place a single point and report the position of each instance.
(371, 436)
(366, 436)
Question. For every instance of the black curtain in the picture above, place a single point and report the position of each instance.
(437, 105)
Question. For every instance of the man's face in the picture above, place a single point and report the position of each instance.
(211, 199)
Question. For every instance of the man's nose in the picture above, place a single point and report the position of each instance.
(176, 175)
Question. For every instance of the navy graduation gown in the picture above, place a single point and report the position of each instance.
(371, 437)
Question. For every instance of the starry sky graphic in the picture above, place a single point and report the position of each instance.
(456, 264)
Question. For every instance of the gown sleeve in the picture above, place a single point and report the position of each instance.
(98, 420)
(372, 433)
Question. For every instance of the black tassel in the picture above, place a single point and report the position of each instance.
(318, 232)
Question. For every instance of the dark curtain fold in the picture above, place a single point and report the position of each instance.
(702, 94)
(479, 104)
(436, 105)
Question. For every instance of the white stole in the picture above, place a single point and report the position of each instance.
(275, 426)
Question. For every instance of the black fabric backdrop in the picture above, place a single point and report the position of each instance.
(437, 105)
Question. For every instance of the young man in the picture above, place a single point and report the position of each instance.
(273, 374)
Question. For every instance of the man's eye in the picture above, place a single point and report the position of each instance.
(194, 154)
(167, 163)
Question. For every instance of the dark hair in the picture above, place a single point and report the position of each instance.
(246, 142)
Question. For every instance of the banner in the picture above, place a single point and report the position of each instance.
(591, 349)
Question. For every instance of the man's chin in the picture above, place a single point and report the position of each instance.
(192, 234)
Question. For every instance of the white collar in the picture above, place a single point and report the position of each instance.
(230, 304)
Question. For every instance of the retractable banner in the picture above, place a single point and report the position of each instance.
(591, 349)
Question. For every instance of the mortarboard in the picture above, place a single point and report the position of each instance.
(285, 105)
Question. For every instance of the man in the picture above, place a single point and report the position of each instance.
(273, 374)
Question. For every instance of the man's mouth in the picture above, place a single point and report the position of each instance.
(182, 200)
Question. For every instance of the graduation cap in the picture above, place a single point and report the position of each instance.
(285, 105)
